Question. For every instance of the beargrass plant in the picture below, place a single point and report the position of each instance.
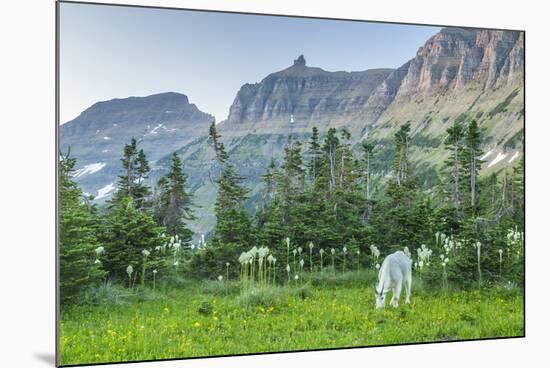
(129, 271)
(344, 252)
(145, 254)
(321, 252)
(444, 261)
(500, 262)
(288, 272)
(375, 253)
(478, 248)
(332, 252)
(310, 245)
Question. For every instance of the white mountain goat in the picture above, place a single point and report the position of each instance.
(394, 272)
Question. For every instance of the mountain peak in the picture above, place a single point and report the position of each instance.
(301, 61)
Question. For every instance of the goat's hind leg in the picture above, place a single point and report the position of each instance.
(408, 285)
(396, 294)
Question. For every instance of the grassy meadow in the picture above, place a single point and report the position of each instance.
(212, 318)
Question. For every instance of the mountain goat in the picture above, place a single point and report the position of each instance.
(394, 272)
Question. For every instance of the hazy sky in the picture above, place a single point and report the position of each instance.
(115, 52)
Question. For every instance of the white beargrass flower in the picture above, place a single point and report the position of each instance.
(220, 278)
(300, 250)
(310, 245)
(99, 250)
(301, 263)
(287, 242)
(97, 261)
(333, 250)
(345, 250)
(321, 251)
(155, 272)
(145, 253)
(377, 266)
(129, 270)
(375, 251)
(424, 254)
(407, 252)
(176, 263)
(296, 277)
(358, 252)
(294, 251)
(288, 268)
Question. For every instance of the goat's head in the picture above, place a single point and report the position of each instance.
(380, 297)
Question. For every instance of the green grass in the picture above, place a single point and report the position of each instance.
(192, 323)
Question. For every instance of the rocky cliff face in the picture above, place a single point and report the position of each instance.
(161, 123)
(311, 95)
(459, 74)
(456, 57)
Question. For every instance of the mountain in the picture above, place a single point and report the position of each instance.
(312, 96)
(457, 75)
(161, 123)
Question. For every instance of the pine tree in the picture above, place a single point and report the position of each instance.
(368, 152)
(471, 164)
(314, 155)
(77, 241)
(268, 193)
(174, 203)
(141, 192)
(454, 143)
(400, 164)
(219, 148)
(127, 233)
(330, 148)
(131, 181)
(290, 179)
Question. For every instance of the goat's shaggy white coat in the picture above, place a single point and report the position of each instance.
(394, 273)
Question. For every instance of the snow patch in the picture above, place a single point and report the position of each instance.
(105, 151)
(486, 155)
(501, 156)
(89, 169)
(514, 157)
(103, 192)
(155, 129)
(115, 124)
(107, 138)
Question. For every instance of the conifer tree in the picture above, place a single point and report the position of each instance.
(314, 155)
(174, 203)
(400, 164)
(131, 181)
(368, 152)
(330, 148)
(455, 145)
(219, 148)
(471, 164)
(77, 241)
(127, 233)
